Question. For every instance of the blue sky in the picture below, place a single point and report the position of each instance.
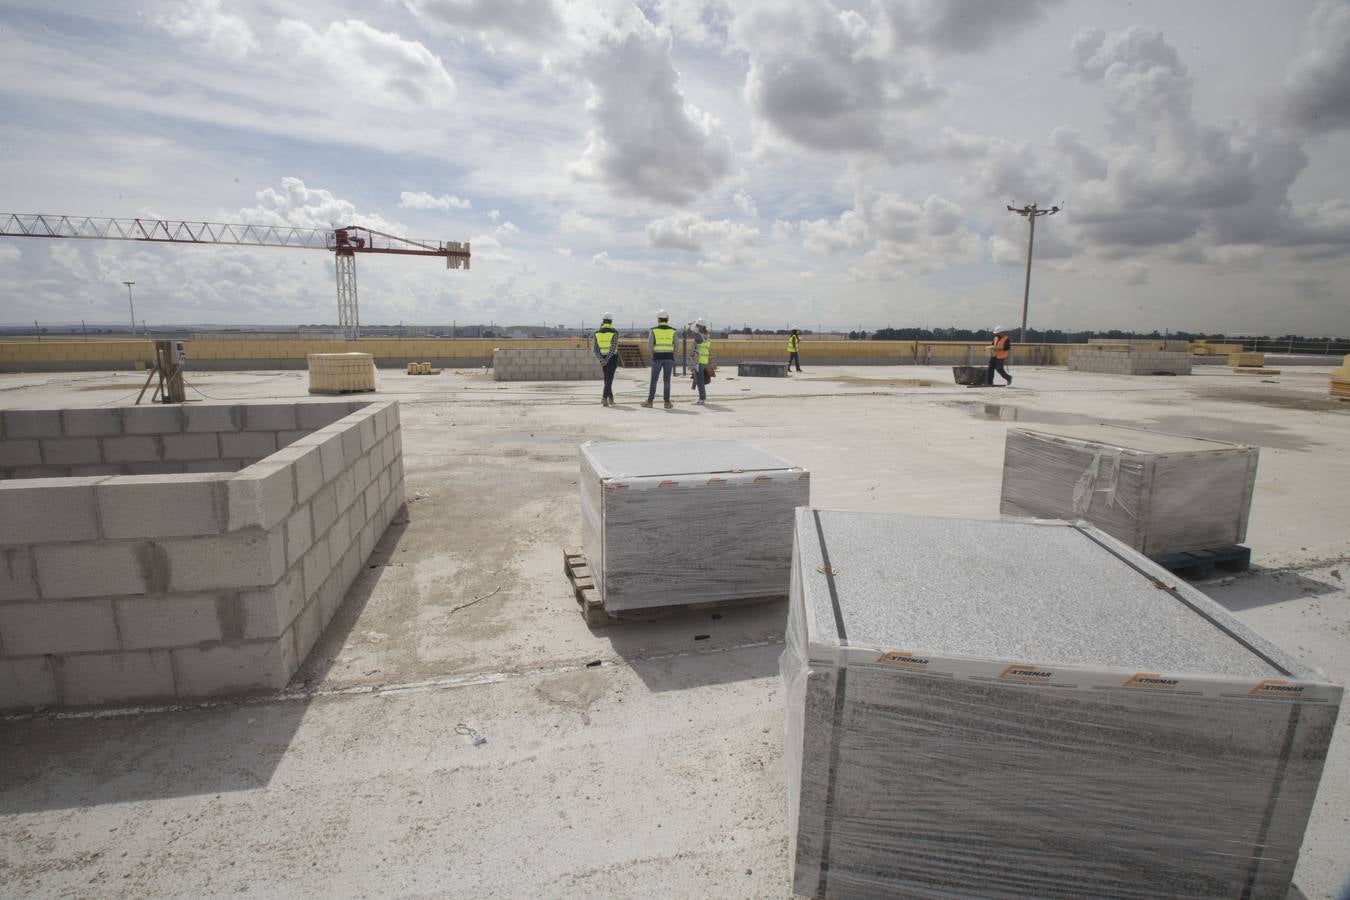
(806, 162)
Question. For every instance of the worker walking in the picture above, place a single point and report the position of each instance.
(999, 351)
(700, 359)
(605, 346)
(794, 357)
(661, 342)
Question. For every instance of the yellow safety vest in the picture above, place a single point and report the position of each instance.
(792, 343)
(663, 339)
(704, 351)
(604, 338)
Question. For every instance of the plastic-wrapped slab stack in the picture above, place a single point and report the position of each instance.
(1340, 380)
(1159, 493)
(1031, 709)
(670, 523)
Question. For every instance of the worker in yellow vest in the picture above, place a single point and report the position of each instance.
(794, 342)
(700, 359)
(661, 343)
(999, 351)
(605, 346)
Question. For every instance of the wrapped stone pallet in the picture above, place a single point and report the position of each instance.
(674, 523)
(341, 373)
(1031, 709)
(1159, 493)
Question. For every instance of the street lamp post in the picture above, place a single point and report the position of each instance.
(133, 307)
(1031, 214)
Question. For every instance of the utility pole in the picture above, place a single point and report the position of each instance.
(1031, 214)
(133, 307)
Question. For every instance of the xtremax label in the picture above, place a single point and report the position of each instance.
(1275, 687)
(903, 659)
(1150, 680)
(1025, 673)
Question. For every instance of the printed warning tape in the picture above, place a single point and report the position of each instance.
(718, 480)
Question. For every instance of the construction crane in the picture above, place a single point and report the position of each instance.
(344, 243)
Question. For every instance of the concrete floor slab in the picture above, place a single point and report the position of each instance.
(657, 771)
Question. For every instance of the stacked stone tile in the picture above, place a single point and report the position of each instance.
(1130, 362)
(545, 365)
(159, 587)
(1031, 710)
(341, 373)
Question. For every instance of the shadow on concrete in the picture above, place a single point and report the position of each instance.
(700, 648)
(65, 760)
(1263, 587)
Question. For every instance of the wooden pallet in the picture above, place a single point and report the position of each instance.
(630, 356)
(1197, 565)
(578, 571)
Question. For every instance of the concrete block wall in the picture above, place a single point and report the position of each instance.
(1130, 362)
(153, 440)
(118, 589)
(545, 365)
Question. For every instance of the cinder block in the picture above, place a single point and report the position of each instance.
(234, 668)
(70, 451)
(330, 452)
(248, 444)
(368, 437)
(299, 535)
(210, 465)
(89, 679)
(313, 416)
(163, 420)
(361, 473)
(95, 570)
(170, 506)
(141, 448)
(316, 567)
(202, 445)
(153, 467)
(268, 612)
(211, 418)
(68, 626)
(351, 443)
(368, 535)
(286, 438)
(307, 628)
(339, 539)
(246, 559)
(17, 581)
(345, 488)
(91, 422)
(99, 470)
(20, 453)
(323, 508)
(330, 597)
(270, 417)
(261, 495)
(351, 563)
(32, 423)
(47, 509)
(26, 683)
(179, 620)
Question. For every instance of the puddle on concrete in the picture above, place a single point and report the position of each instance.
(863, 381)
(1193, 426)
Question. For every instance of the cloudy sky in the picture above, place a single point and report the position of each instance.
(812, 162)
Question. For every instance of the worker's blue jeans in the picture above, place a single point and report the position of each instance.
(661, 367)
(699, 380)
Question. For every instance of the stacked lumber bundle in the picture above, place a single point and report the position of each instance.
(422, 368)
(1253, 360)
(341, 373)
(1340, 380)
(1031, 710)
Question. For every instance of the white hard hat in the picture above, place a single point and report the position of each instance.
(662, 314)
(700, 321)
(606, 317)
(999, 329)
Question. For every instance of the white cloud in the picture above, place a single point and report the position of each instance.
(829, 79)
(369, 61)
(602, 261)
(574, 223)
(506, 229)
(528, 20)
(745, 203)
(645, 140)
(296, 204)
(963, 26)
(422, 200)
(1134, 273)
(563, 251)
(1316, 93)
(721, 242)
(201, 22)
